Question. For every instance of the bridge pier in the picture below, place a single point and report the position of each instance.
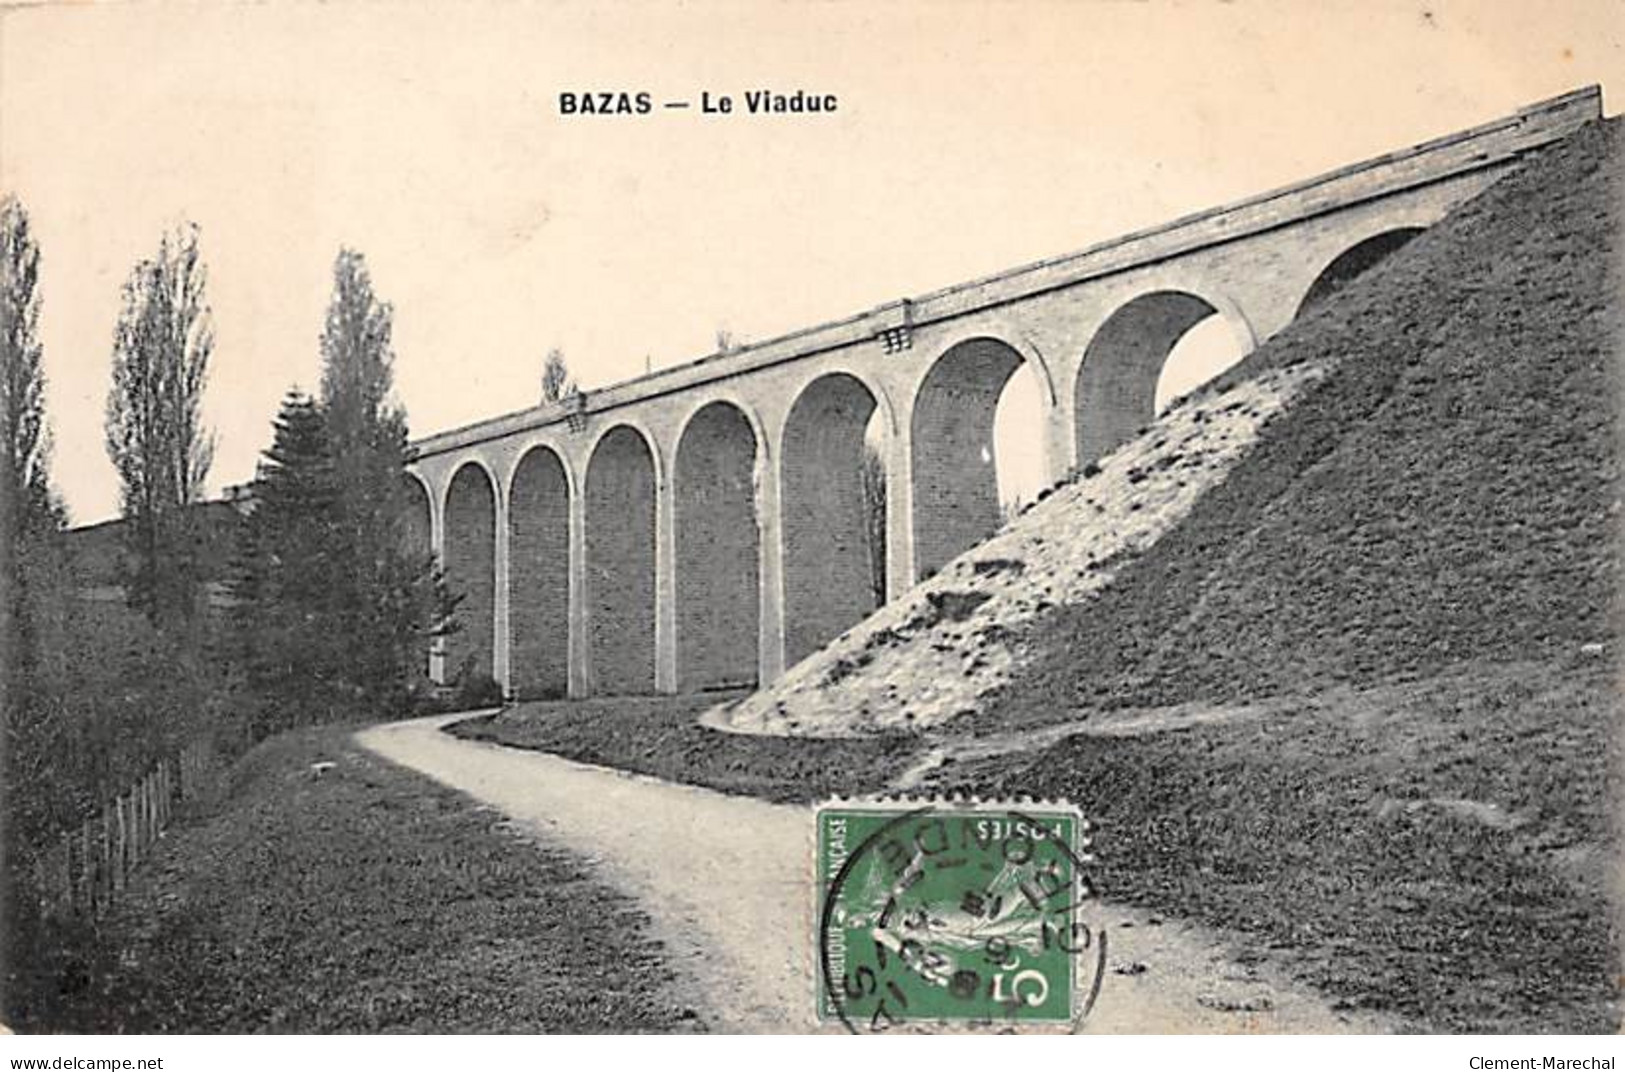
(665, 586)
(580, 679)
(502, 634)
(770, 587)
(437, 546)
(900, 575)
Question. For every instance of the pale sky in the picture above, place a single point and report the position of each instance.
(971, 137)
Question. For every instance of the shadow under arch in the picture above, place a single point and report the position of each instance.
(417, 536)
(1353, 263)
(953, 463)
(539, 575)
(619, 597)
(1116, 390)
(834, 544)
(471, 569)
(717, 549)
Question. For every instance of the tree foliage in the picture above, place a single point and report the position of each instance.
(32, 584)
(31, 515)
(155, 432)
(25, 472)
(391, 596)
(31, 519)
(556, 382)
(872, 478)
(285, 593)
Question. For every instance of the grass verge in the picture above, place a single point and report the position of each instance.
(362, 897)
(662, 737)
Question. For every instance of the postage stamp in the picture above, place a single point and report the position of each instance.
(949, 912)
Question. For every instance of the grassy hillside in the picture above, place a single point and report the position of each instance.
(1417, 568)
(1446, 496)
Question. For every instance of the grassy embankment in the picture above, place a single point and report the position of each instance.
(364, 897)
(1426, 552)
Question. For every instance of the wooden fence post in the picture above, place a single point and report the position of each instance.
(84, 867)
(139, 842)
(67, 870)
(104, 884)
(121, 842)
(89, 865)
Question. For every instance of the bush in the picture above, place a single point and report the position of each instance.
(478, 690)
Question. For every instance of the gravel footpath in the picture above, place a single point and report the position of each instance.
(728, 881)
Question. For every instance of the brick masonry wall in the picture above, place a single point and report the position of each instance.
(620, 574)
(539, 576)
(419, 531)
(718, 548)
(828, 585)
(956, 488)
(1117, 386)
(471, 569)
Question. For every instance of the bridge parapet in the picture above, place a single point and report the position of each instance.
(1473, 149)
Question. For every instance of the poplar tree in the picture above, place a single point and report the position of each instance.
(25, 486)
(32, 587)
(155, 432)
(31, 515)
(872, 481)
(556, 382)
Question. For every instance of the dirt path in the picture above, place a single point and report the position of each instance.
(728, 882)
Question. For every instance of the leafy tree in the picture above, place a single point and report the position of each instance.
(155, 433)
(556, 382)
(31, 515)
(873, 480)
(32, 587)
(393, 598)
(25, 475)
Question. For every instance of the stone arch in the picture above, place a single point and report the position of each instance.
(717, 570)
(834, 574)
(417, 532)
(1116, 389)
(885, 408)
(417, 518)
(1003, 330)
(1354, 262)
(619, 500)
(471, 522)
(954, 478)
(539, 575)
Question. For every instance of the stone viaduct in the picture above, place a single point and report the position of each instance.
(705, 526)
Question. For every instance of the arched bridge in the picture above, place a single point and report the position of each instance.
(706, 525)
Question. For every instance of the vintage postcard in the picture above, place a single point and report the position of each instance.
(918, 518)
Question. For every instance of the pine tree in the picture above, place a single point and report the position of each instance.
(285, 592)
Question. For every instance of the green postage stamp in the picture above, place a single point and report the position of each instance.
(954, 913)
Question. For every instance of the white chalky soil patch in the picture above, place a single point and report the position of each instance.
(935, 652)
